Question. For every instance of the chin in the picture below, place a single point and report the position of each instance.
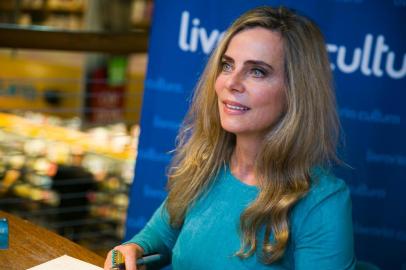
(232, 128)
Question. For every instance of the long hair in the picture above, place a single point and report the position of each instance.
(304, 137)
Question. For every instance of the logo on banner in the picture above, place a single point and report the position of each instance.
(350, 1)
(150, 192)
(384, 232)
(152, 154)
(374, 116)
(160, 122)
(369, 59)
(399, 3)
(374, 59)
(161, 85)
(384, 158)
(190, 36)
(362, 190)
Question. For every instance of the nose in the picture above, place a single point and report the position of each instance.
(235, 82)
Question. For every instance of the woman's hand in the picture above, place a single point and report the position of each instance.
(130, 252)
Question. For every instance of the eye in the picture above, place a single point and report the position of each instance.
(226, 67)
(258, 73)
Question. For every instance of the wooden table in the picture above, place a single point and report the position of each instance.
(30, 245)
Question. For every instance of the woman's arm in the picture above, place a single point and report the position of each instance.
(157, 235)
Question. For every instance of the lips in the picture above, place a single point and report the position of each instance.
(231, 105)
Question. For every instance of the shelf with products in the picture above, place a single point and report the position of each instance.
(30, 157)
(56, 28)
(96, 141)
(67, 14)
(56, 13)
(76, 6)
(6, 7)
(141, 13)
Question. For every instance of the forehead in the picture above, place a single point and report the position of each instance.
(256, 44)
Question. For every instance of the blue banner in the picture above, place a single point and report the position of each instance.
(366, 44)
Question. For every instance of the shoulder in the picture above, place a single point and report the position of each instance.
(322, 221)
(327, 195)
(323, 185)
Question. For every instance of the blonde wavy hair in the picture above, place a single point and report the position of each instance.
(305, 136)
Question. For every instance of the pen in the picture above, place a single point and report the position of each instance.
(118, 260)
(149, 259)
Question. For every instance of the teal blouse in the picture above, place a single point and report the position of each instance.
(320, 226)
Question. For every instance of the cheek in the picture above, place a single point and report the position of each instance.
(281, 98)
(279, 104)
(219, 85)
(274, 102)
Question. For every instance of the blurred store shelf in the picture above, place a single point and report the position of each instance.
(24, 127)
(71, 87)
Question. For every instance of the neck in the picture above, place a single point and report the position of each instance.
(243, 159)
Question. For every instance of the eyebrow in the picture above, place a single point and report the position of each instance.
(249, 62)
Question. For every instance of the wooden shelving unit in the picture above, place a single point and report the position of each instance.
(41, 36)
(135, 41)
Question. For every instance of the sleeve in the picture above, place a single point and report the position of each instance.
(324, 237)
(158, 236)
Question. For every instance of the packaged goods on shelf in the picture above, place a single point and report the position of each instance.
(33, 150)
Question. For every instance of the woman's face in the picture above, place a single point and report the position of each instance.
(251, 85)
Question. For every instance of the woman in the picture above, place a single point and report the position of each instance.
(249, 186)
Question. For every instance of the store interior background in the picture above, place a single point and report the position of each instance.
(69, 119)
